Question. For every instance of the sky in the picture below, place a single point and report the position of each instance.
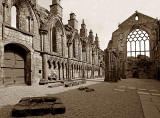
(103, 16)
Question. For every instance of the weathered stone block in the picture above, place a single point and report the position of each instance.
(83, 88)
(20, 111)
(43, 82)
(68, 84)
(58, 109)
(90, 90)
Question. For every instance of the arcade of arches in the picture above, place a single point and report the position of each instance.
(35, 45)
(134, 51)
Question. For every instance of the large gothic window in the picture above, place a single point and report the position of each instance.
(138, 43)
(14, 17)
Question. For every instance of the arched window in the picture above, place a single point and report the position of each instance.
(74, 52)
(54, 42)
(14, 17)
(136, 18)
(138, 43)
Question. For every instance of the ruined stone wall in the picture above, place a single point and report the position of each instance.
(140, 67)
(41, 60)
(119, 42)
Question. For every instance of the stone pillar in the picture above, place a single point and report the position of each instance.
(80, 72)
(44, 66)
(72, 72)
(28, 65)
(56, 70)
(44, 55)
(69, 66)
(64, 72)
(61, 73)
(1, 63)
(5, 6)
(87, 72)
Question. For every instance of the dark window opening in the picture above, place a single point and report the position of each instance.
(54, 38)
(74, 52)
(40, 71)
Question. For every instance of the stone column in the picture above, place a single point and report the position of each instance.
(28, 65)
(56, 70)
(64, 72)
(80, 72)
(61, 73)
(5, 6)
(44, 55)
(1, 63)
(69, 66)
(44, 66)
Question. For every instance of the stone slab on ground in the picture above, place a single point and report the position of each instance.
(37, 106)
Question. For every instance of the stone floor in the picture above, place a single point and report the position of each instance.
(12, 94)
(130, 98)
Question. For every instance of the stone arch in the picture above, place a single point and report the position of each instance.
(24, 45)
(49, 63)
(17, 62)
(55, 21)
(54, 64)
(56, 36)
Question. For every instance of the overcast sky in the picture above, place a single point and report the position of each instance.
(103, 16)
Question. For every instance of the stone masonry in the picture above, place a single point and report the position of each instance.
(125, 56)
(41, 46)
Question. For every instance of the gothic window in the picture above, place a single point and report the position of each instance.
(54, 42)
(138, 43)
(74, 52)
(28, 20)
(136, 18)
(14, 17)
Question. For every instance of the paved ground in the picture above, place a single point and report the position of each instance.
(130, 98)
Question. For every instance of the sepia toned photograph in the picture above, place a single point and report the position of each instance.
(79, 59)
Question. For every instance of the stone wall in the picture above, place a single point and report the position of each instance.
(34, 34)
(119, 45)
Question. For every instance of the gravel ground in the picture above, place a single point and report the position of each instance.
(104, 102)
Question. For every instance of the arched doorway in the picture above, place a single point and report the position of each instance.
(17, 65)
